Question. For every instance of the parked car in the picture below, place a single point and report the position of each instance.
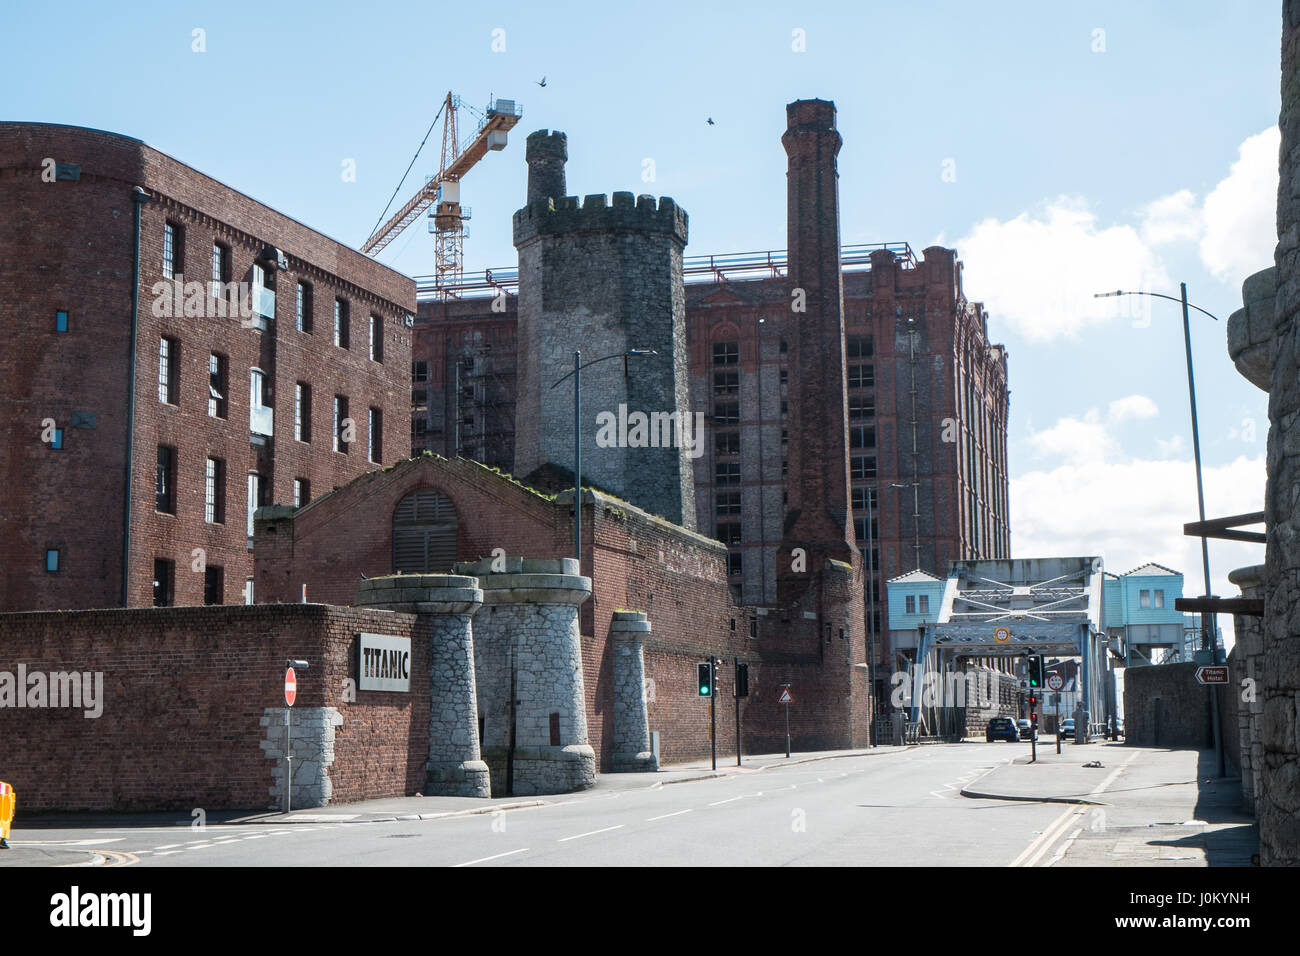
(1001, 728)
(1026, 729)
(1067, 727)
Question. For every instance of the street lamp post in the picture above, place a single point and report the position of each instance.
(1209, 619)
(578, 366)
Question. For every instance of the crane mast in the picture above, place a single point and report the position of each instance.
(440, 196)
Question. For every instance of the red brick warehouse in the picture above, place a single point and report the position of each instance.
(241, 391)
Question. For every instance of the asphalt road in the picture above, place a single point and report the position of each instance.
(899, 808)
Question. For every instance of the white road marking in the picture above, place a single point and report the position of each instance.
(67, 842)
(665, 816)
(1064, 848)
(484, 859)
(589, 833)
(728, 800)
(168, 846)
(167, 853)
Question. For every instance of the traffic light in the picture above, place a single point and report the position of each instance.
(704, 678)
(742, 680)
(1035, 672)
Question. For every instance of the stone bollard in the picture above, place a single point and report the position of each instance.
(631, 753)
(529, 654)
(448, 602)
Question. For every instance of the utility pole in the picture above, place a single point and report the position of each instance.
(736, 693)
(713, 711)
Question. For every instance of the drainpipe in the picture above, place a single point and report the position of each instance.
(139, 197)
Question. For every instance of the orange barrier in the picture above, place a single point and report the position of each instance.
(8, 802)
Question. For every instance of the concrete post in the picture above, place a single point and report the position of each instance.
(529, 640)
(448, 602)
(631, 720)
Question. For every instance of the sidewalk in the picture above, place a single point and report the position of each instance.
(392, 809)
(28, 854)
(433, 808)
(1143, 807)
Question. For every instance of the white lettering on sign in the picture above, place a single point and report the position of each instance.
(384, 663)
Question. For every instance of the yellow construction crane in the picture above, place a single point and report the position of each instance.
(442, 191)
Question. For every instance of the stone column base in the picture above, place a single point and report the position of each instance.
(543, 770)
(448, 779)
(644, 762)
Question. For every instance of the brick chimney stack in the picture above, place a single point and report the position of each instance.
(818, 513)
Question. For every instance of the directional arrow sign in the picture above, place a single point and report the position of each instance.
(1212, 674)
(1055, 681)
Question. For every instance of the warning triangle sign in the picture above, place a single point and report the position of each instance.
(785, 697)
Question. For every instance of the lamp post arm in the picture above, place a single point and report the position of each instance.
(605, 358)
(1158, 295)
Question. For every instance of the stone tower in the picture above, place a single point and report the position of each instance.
(603, 278)
(818, 505)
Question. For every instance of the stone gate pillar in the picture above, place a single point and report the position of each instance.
(529, 650)
(448, 602)
(631, 722)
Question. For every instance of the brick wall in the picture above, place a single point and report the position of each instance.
(70, 247)
(636, 561)
(185, 690)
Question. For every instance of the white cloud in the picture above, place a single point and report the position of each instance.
(1132, 407)
(1039, 271)
(1241, 211)
(1172, 218)
(1077, 441)
(1133, 512)
(1169, 447)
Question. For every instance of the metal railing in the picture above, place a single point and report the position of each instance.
(728, 267)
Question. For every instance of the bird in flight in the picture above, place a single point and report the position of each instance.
(541, 82)
(711, 123)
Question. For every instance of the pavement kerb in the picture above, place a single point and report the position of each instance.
(318, 818)
(314, 818)
(978, 795)
(714, 774)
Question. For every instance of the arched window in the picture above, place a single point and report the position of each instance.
(424, 533)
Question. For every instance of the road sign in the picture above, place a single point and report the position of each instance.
(1211, 674)
(1055, 681)
(1001, 634)
(290, 686)
(785, 697)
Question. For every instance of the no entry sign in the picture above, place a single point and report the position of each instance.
(290, 686)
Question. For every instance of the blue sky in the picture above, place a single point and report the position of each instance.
(1056, 139)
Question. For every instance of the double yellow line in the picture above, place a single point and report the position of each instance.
(1036, 850)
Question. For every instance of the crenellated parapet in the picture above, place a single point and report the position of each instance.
(597, 213)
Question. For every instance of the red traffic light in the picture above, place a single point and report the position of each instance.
(1033, 718)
